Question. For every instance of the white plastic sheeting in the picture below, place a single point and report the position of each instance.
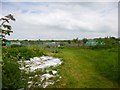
(40, 62)
(37, 63)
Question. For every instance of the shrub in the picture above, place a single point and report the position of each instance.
(48, 46)
(11, 74)
(55, 51)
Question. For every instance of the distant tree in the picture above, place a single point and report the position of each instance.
(39, 40)
(110, 41)
(85, 40)
(113, 38)
(75, 40)
(69, 42)
(5, 28)
(52, 41)
(99, 40)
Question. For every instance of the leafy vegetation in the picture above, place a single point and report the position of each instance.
(11, 74)
(83, 67)
(5, 29)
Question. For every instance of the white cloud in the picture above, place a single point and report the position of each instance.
(60, 0)
(75, 19)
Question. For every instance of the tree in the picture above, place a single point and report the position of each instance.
(75, 40)
(5, 28)
(69, 42)
(84, 40)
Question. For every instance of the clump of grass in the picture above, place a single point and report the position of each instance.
(55, 51)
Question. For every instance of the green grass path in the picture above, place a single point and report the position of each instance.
(84, 68)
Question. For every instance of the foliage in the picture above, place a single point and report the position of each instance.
(48, 46)
(55, 51)
(108, 43)
(85, 40)
(5, 28)
(75, 40)
(69, 42)
(10, 71)
(61, 47)
(11, 74)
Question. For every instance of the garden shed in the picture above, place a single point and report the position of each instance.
(92, 43)
(8, 43)
(15, 43)
(5, 42)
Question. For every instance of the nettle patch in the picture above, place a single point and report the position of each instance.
(40, 72)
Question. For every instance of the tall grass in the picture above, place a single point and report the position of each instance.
(89, 68)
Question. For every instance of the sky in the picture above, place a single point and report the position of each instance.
(62, 20)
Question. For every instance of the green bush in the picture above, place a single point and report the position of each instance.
(102, 46)
(55, 51)
(48, 46)
(11, 74)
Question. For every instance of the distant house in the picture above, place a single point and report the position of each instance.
(8, 43)
(15, 43)
(53, 44)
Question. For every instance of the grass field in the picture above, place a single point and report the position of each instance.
(81, 68)
(85, 68)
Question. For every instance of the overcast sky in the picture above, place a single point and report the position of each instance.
(62, 20)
